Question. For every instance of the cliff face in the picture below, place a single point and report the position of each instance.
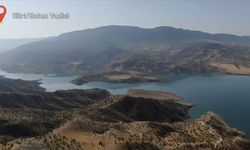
(139, 120)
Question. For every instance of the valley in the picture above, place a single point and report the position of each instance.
(124, 75)
(125, 87)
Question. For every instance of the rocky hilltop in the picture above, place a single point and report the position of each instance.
(138, 120)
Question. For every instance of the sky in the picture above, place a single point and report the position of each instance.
(214, 16)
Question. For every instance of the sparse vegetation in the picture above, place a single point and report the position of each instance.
(105, 125)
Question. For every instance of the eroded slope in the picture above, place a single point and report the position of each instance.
(107, 125)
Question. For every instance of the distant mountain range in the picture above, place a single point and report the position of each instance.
(31, 118)
(9, 44)
(127, 48)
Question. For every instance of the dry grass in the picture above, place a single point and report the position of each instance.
(230, 68)
(153, 95)
(118, 77)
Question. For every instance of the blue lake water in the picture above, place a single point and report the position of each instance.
(226, 95)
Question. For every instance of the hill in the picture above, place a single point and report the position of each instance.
(138, 120)
(34, 114)
(126, 48)
(59, 100)
(9, 44)
(19, 86)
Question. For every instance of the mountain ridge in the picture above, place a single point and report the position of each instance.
(128, 48)
(105, 124)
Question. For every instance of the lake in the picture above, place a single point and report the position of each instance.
(226, 95)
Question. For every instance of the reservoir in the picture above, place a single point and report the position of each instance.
(226, 95)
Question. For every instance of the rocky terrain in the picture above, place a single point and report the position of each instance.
(138, 120)
(34, 114)
(59, 100)
(27, 122)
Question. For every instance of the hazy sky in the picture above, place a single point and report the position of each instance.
(215, 16)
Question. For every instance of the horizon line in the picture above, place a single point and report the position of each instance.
(96, 27)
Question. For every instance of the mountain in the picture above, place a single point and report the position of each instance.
(138, 120)
(149, 64)
(126, 48)
(20, 86)
(9, 44)
(142, 105)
